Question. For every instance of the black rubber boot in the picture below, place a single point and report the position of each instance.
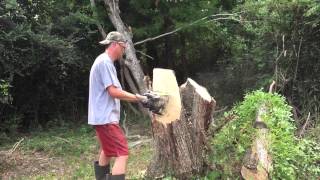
(101, 171)
(116, 177)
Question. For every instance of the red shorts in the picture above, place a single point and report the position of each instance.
(112, 140)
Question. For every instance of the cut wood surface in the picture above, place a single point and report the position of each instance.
(180, 135)
(165, 83)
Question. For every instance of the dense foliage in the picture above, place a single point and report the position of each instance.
(286, 36)
(44, 61)
(291, 158)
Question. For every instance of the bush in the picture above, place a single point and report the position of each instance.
(291, 158)
(5, 97)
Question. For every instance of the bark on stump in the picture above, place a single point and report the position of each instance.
(180, 143)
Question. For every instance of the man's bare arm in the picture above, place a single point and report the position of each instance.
(123, 95)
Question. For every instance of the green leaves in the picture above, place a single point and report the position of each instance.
(45, 60)
(287, 152)
(4, 88)
(5, 97)
(11, 4)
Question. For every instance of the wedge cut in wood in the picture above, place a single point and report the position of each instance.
(165, 84)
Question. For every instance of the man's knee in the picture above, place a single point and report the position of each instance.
(103, 159)
(102, 153)
(124, 158)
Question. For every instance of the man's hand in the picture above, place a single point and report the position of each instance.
(143, 99)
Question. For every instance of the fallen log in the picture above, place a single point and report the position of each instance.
(257, 161)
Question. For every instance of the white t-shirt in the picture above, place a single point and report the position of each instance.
(102, 107)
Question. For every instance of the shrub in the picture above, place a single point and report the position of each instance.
(291, 158)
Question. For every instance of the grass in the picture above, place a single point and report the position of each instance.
(64, 153)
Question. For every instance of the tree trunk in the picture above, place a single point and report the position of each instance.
(180, 135)
(257, 161)
(131, 60)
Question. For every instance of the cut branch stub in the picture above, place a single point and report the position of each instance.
(180, 138)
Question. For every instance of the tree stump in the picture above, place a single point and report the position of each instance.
(180, 134)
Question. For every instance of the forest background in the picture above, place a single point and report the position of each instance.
(229, 46)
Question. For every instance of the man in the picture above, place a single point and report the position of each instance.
(105, 93)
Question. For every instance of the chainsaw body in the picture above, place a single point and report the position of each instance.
(155, 102)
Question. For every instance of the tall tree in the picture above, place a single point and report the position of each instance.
(131, 62)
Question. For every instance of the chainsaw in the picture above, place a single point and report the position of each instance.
(155, 101)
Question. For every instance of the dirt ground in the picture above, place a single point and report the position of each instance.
(20, 164)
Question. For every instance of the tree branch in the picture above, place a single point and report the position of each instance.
(210, 17)
(133, 87)
(304, 126)
(15, 146)
(144, 54)
(298, 57)
(272, 86)
(100, 28)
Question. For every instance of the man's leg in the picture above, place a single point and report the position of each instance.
(119, 168)
(120, 165)
(102, 167)
(103, 159)
(114, 144)
(121, 150)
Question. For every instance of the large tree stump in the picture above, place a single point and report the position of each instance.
(180, 133)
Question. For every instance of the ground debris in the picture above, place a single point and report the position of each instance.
(27, 164)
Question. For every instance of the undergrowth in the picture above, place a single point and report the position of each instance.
(292, 158)
(62, 141)
(76, 147)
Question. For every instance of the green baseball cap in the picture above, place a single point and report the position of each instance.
(113, 36)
